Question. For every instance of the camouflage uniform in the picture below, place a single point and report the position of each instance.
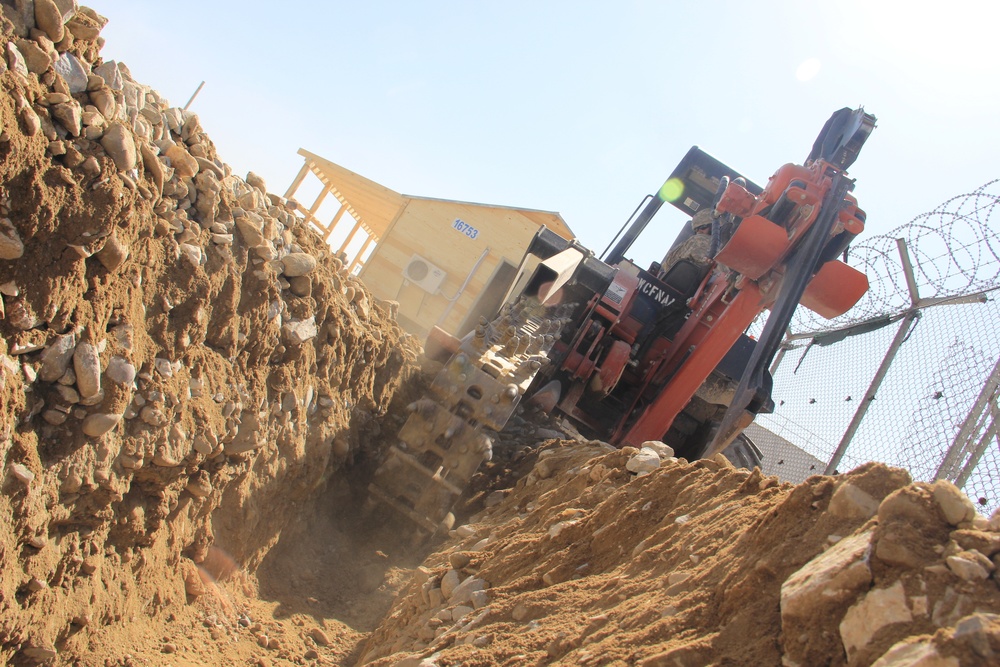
(694, 248)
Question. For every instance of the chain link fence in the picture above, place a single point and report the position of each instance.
(909, 376)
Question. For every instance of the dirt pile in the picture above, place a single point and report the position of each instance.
(699, 563)
(182, 362)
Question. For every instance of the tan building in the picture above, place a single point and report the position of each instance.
(445, 262)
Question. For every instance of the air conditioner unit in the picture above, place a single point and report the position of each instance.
(423, 274)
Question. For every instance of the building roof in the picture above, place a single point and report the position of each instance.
(782, 458)
(375, 206)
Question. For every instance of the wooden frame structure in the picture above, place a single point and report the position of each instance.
(372, 207)
(442, 260)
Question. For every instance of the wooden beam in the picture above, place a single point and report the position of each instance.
(361, 253)
(333, 223)
(298, 181)
(350, 237)
(319, 201)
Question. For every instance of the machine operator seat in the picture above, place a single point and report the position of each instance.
(687, 261)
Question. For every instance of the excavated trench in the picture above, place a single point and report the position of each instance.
(338, 568)
(193, 393)
(188, 377)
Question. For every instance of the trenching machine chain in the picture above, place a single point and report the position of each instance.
(441, 445)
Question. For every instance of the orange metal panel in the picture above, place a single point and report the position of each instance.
(755, 247)
(612, 367)
(834, 289)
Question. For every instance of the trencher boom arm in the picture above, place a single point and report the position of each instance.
(781, 253)
(838, 222)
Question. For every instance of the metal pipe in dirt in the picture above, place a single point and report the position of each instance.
(194, 95)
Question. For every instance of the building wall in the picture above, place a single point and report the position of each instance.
(426, 227)
(786, 461)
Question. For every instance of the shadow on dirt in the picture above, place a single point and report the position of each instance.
(334, 562)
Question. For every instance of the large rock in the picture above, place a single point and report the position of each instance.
(49, 18)
(252, 234)
(182, 162)
(879, 608)
(851, 502)
(111, 74)
(73, 71)
(985, 542)
(68, 8)
(15, 60)
(104, 100)
(970, 565)
(70, 116)
(86, 27)
(910, 524)
(645, 461)
(21, 13)
(154, 167)
(911, 503)
(839, 573)
(120, 371)
(466, 591)
(449, 582)
(57, 357)
(919, 654)
(663, 450)
(978, 625)
(120, 146)
(815, 597)
(87, 364)
(192, 253)
(298, 264)
(954, 504)
(98, 424)
(255, 181)
(35, 57)
(298, 332)
(113, 254)
(903, 545)
(11, 246)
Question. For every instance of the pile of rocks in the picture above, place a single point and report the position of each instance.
(925, 562)
(170, 332)
(451, 599)
(162, 154)
(592, 557)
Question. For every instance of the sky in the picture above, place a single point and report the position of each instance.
(579, 107)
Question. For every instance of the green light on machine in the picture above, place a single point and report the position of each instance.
(672, 190)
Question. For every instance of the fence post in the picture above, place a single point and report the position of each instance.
(973, 424)
(988, 436)
(781, 353)
(859, 414)
(890, 354)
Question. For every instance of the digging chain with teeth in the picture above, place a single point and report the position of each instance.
(441, 444)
